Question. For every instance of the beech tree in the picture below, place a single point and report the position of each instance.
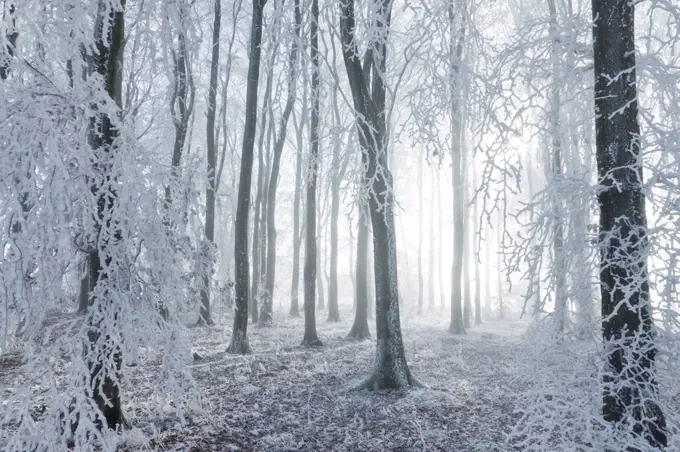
(369, 94)
(311, 339)
(239, 338)
(629, 381)
(105, 360)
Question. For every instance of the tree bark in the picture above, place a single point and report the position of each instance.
(210, 191)
(239, 339)
(360, 328)
(297, 237)
(311, 339)
(629, 383)
(104, 359)
(391, 369)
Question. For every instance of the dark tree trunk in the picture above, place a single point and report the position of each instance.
(11, 36)
(84, 292)
(239, 339)
(333, 309)
(360, 328)
(629, 382)
(205, 316)
(391, 370)
(266, 316)
(104, 360)
(311, 338)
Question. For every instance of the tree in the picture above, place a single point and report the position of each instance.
(311, 339)
(629, 382)
(556, 173)
(11, 36)
(360, 326)
(104, 360)
(369, 94)
(455, 54)
(297, 201)
(420, 236)
(239, 338)
(210, 190)
(267, 308)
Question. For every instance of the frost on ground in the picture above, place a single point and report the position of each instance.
(286, 397)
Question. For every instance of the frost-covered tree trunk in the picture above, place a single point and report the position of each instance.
(182, 97)
(311, 337)
(210, 191)
(556, 158)
(267, 309)
(391, 369)
(104, 360)
(360, 327)
(11, 36)
(239, 338)
(629, 382)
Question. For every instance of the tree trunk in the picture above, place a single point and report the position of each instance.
(561, 314)
(239, 339)
(431, 303)
(320, 292)
(467, 299)
(266, 316)
(457, 325)
(499, 272)
(440, 267)
(391, 369)
(629, 383)
(104, 360)
(420, 236)
(333, 310)
(297, 238)
(360, 328)
(210, 191)
(311, 338)
(474, 236)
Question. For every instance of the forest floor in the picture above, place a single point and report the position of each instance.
(284, 397)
